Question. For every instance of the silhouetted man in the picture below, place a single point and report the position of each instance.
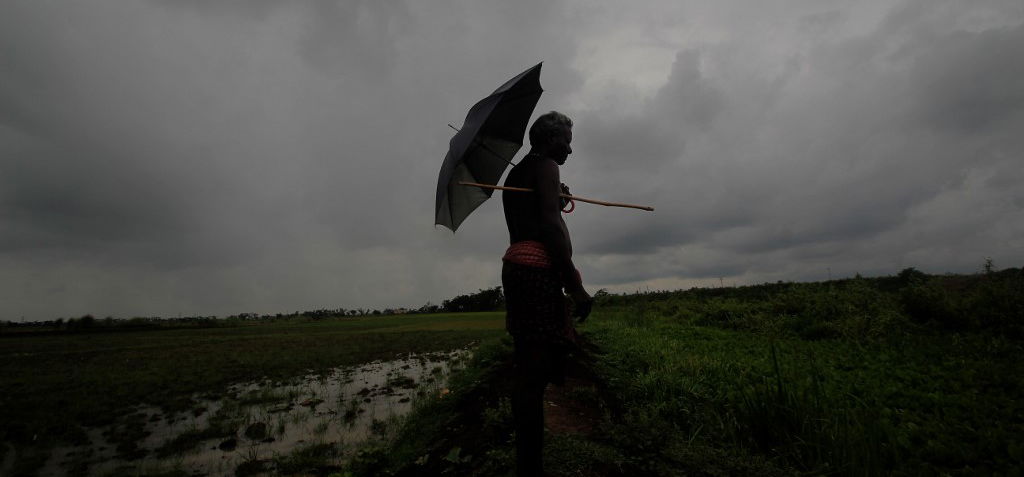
(537, 267)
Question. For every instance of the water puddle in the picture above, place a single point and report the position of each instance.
(255, 426)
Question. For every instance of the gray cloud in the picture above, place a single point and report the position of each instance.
(217, 157)
(685, 105)
(970, 82)
(833, 154)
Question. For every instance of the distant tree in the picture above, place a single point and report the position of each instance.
(429, 308)
(86, 322)
(910, 276)
(484, 300)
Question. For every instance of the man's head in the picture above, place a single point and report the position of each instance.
(550, 136)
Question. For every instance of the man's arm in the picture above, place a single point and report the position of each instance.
(553, 231)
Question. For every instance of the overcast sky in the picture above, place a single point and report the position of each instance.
(169, 157)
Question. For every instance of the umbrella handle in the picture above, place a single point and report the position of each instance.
(567, 196)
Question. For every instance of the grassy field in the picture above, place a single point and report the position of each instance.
(904, 375)
(53, 387)
(932, 404)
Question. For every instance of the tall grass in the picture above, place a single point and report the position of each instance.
(687, 393)
(789, 416)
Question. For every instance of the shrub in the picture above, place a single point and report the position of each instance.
(928, 302)
(997, 302)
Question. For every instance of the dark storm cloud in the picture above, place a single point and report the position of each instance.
(341, 38)
(105, 156)
(830, 158)
(685, 105)
(88, 203)
(226, 156)
(246, 8)
(655, 235)
(970, 82)
(342, 34)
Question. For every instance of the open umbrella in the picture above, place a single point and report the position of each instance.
(484, 146)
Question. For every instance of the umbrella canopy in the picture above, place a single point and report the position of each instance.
(491, 135)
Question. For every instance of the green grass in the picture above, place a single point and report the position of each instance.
(906, 375)
(948, 403)
(305, 459)
(856, 377)
(53, 386)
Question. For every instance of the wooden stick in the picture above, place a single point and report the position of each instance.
(567, 196)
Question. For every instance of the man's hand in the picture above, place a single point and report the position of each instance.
(582, 303)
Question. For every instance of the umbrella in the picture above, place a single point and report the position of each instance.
(484, 146)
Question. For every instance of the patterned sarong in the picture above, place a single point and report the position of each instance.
(537, 309)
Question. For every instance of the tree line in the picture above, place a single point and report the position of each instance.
(490, 299)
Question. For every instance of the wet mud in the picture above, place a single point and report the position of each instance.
(254, 425)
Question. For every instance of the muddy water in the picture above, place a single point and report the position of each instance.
(257, 422)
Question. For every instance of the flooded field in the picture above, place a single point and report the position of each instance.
(263, 426)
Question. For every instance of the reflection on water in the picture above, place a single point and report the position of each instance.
(254, 423)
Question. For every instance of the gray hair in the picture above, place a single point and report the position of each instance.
(548, 126)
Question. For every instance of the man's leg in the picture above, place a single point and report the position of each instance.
(528, 408)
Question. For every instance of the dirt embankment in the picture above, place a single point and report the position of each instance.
(474, 430)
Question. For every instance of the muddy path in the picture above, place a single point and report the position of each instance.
(473, 433)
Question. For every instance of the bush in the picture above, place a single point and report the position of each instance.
(734, 314)
(998, 302)
(848, 308)
(929, 303)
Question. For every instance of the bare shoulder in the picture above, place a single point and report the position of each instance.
(547, 171)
